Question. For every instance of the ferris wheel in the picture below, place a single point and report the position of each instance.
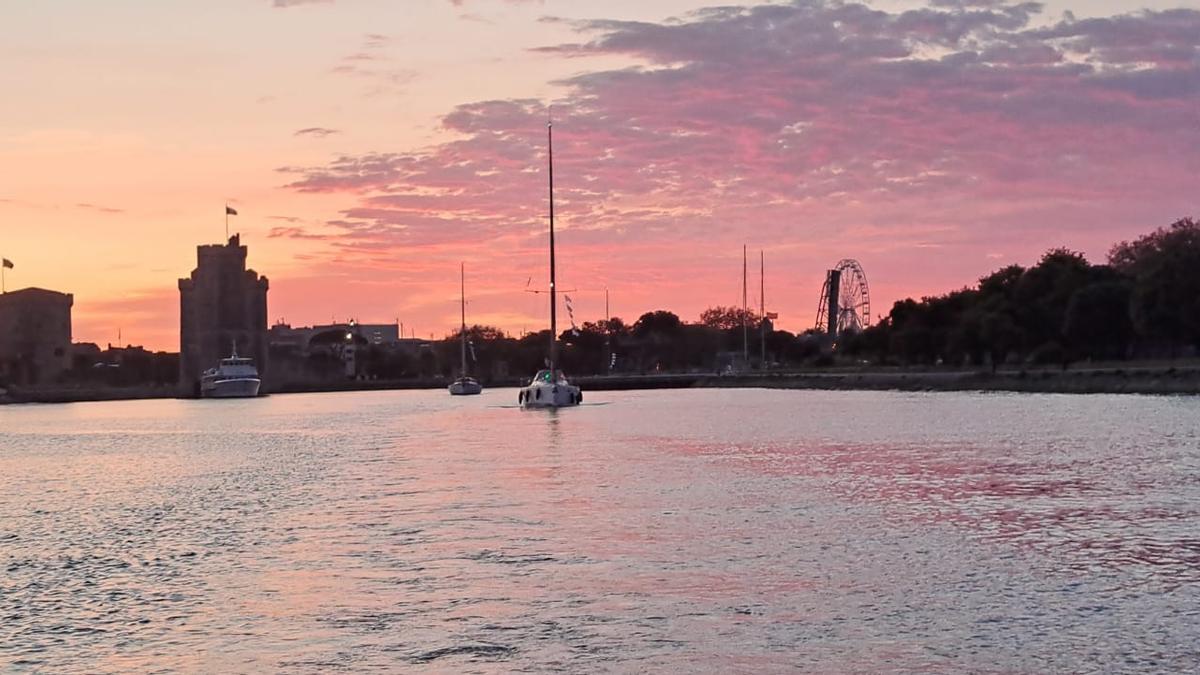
(845, 302)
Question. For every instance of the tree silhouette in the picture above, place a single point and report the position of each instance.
(1165, 269)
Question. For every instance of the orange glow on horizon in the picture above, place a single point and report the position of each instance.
(370, 149)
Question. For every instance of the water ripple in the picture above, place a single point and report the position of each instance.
(726, 530)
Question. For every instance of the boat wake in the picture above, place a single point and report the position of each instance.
(577, 405)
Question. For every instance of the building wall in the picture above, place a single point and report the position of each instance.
(221, 303)
(35, 335)
(379, 334)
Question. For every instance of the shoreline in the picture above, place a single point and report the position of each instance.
(1132, 379)
(1143, 381)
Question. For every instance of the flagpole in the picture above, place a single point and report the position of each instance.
(762, 302)
(226, 221)
(607, 335)
(745, 334)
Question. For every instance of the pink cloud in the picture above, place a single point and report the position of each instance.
(372, 65)
(316, 132)
(99, 209)
(293, 233)
(295, 3)
(460, 3)
(922, 142)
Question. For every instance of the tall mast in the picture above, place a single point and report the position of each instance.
(762, 302)
(745, 332)
(607, 334)
(553, 299)
(462, 279)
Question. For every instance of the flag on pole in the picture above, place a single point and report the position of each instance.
(230, 211)
(571, 314)
(8, 264)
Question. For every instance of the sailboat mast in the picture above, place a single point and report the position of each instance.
(553, 299)
(607, 334)
(462, 280)
(762, 302)
(745, 332)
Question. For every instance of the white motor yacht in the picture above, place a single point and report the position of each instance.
(235, 377)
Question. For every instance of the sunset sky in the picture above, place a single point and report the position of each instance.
(371, 145)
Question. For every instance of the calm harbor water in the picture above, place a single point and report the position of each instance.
(714, 530)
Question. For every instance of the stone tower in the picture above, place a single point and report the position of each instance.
(221, 303)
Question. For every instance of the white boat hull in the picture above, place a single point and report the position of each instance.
(243, 387)
(549, 395)
(465, 388)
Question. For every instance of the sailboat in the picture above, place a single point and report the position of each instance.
(464, 385)
(549, 388)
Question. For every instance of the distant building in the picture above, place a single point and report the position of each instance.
(35, 335)
(85, 353)
(380, 334)
(336, 351)
(346, 342)
(301, 339)
(221, 303)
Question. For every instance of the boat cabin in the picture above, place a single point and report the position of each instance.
(546, 376)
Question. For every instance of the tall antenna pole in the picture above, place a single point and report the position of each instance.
(553, 299)
(745, 332)
(607, 334)
(462, 275)
(762, 302)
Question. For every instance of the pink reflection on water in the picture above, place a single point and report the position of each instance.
(1088, 514)
(386, 531)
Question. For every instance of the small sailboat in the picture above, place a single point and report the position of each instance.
(464, 385)
(549, 388)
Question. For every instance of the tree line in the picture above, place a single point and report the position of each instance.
(658, 341)
(1143, 301)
